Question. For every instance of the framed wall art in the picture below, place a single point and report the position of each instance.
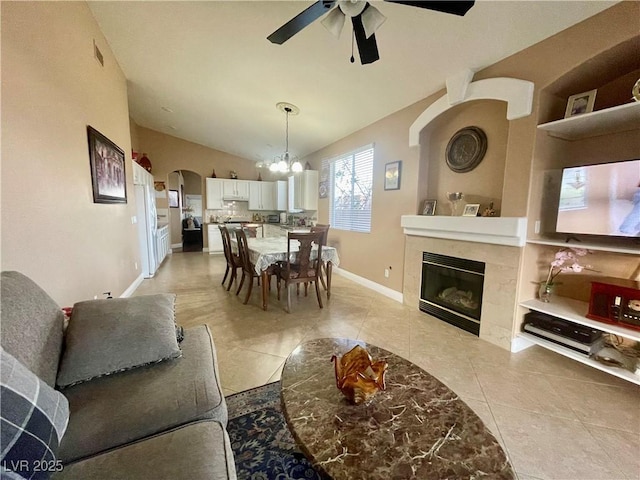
(580, 103)
(429, 207)
(173, 199)
(392, 173)
(107, 169)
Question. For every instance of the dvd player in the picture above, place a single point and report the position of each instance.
(580, 338)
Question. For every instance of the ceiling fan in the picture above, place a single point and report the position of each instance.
(365, 19)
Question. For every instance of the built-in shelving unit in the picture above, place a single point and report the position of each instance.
(603, 247)
(575, 311)
(602, 122)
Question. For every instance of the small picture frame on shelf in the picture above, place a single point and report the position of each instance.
(580, 103)
(471, 210)
(429, 208)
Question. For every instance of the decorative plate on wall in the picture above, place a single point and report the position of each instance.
(466, 149)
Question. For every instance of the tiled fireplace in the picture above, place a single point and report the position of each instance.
(495, 242)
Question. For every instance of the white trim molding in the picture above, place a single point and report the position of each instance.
(386, 291)
(132, 288)
(510, 231)
(517, 93)
(520, 343)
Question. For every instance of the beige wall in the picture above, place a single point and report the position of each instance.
(52, 88)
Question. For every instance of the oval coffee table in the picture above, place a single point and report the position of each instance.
(416, 428)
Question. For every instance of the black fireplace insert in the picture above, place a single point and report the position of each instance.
(451, 290)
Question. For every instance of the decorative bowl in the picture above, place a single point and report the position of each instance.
(358, 377)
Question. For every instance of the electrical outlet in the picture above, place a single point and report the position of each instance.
(134, 220)
(536, 227)
(95, 297)
(135, 264)
(386, 273)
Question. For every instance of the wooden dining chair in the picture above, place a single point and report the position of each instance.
(303, 270)
(233, 260)
(248, 268)
(323, 272)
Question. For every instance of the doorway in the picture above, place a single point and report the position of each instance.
(186, 214)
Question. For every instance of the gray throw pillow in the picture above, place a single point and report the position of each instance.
(110, 336)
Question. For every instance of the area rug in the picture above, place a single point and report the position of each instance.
(262, 444)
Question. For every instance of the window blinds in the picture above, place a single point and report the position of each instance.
(351, 189)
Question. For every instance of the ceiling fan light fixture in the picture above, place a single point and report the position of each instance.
(334, 22)
(372, 19)
(352, 8)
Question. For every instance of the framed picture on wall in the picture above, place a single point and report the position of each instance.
(392, 172)
(107, 169)
(173, 199)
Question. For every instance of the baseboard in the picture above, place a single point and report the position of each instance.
(386, 291)
(132, 288)
(176, 245)
(519, 343)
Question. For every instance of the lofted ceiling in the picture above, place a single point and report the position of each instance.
(204, 71)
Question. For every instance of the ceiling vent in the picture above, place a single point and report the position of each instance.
(98, 54)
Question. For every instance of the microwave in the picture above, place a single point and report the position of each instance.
(273, 218)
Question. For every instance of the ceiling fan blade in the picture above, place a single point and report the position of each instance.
(300, 21)
(453, 7)
(367, 47)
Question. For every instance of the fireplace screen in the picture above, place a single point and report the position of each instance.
(452, 290)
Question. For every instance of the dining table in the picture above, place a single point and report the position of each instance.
(267, 251)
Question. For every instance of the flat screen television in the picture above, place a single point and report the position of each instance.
(601, 199)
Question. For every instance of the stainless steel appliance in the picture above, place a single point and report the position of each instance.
(273, 218)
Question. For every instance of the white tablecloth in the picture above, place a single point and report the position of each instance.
(269, 250)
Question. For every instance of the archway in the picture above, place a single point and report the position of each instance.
(185, 210)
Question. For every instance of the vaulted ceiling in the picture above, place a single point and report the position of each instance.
(204, 71)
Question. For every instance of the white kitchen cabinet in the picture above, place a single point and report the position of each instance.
(214, 194)
(162, 243)
(281, 195)
(262, 196)
(303, 191)
(215, 239)
(235, 190)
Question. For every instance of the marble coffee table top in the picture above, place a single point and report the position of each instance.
(416, 428)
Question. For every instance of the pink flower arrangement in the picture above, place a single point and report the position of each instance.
(567, 260)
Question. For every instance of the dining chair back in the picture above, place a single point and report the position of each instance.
(303, 269)
(248, 269)
(233, 260)
(322, 265)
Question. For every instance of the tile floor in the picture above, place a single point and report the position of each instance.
(557, 419)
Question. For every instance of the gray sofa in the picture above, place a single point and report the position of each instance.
(163, 419)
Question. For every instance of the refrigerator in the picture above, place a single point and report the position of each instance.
(147, 224)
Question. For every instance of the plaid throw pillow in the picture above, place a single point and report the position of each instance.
(33, 418)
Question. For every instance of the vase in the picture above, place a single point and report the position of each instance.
(545, 292)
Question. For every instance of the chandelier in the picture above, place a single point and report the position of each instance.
(286, 162)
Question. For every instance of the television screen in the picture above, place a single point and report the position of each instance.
(600, 199)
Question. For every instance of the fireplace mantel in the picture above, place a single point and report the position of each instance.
(510, 231)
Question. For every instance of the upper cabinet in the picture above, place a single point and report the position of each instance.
(281, 195)
(214, 194)
(262, 195)
(235, 190)
(303, 191)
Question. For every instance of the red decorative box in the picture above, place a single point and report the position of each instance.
(617, 301)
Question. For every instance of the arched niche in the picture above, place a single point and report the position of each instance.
(489, 104)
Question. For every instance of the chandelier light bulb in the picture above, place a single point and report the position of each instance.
(296, 167)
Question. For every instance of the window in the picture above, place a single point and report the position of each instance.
(350, 190)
